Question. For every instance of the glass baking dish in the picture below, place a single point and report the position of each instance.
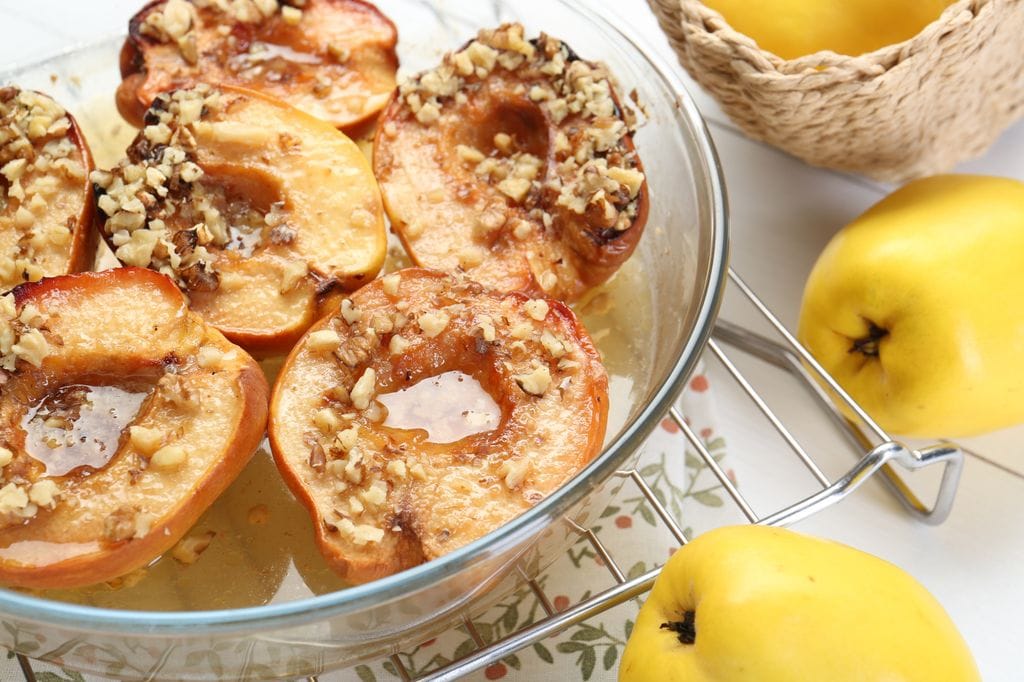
(677, 272)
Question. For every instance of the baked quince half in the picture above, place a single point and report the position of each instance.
(123, 417)
(260, 212)
(427, 412)
(46, 201)
(514, 162)
(333, 59)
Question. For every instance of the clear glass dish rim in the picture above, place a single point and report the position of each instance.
(360, 597)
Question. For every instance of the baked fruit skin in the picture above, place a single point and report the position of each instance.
(261, 213)
(513, 161)
(46, 201)
(334, 59)
(384, 498)
(202, 411)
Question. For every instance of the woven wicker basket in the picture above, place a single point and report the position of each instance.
(903, 111)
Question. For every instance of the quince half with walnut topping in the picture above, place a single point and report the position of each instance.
(512, 402)
(513, 161)
(259, 212)
(123, 417)
(333, 59)
(46, 201)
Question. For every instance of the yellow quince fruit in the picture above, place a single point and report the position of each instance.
(794, 28)
(916, 307)
(760, 604)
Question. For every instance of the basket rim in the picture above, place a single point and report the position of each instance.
(825, 65)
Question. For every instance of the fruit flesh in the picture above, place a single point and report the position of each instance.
(451, 215)
(127, 328)
(269, 167)
(290, 62)
(462, 493)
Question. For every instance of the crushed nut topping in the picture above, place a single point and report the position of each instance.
(359, 535)
(120, 524)
(263, 43)
(596, 173)
(535, 382)
(398, 344)
(362, 393)
(390, 284)
(514, 472)
(162, 212)
(169, 458)
(433, 322)
(37, 155)
(189, 548)
(15, 504)
(144, 439)
(175, 21)
(537, 309)
(326, 420)
(324, 341)
(20, 335)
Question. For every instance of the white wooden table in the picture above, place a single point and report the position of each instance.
(783, 212)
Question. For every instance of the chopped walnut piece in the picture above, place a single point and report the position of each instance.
(515, 472)
(433, 322)
(364, 389)
(31, 347)
(14, 501)
(324, 341)
(291, 15)
(169, 458)
(326, 420)
(317, 458)
(375, 494)
(535, 382)
(189, 548)
(361, 534)
(350, 313)
(44, 493)
(536, 309)
(552, 344)
(396, 468)
(120, 524)
(390, 284)
(293, 272)
(347, 439)
(398, 344)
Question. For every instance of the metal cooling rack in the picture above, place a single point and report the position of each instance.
(878, 454)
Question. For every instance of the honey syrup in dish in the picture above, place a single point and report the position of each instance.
(79, 426)
(448, 407)
(255, 544)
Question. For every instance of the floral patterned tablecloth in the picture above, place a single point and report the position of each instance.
(627, 526)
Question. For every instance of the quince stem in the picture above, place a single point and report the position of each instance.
(685, 628)
(868, 345)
